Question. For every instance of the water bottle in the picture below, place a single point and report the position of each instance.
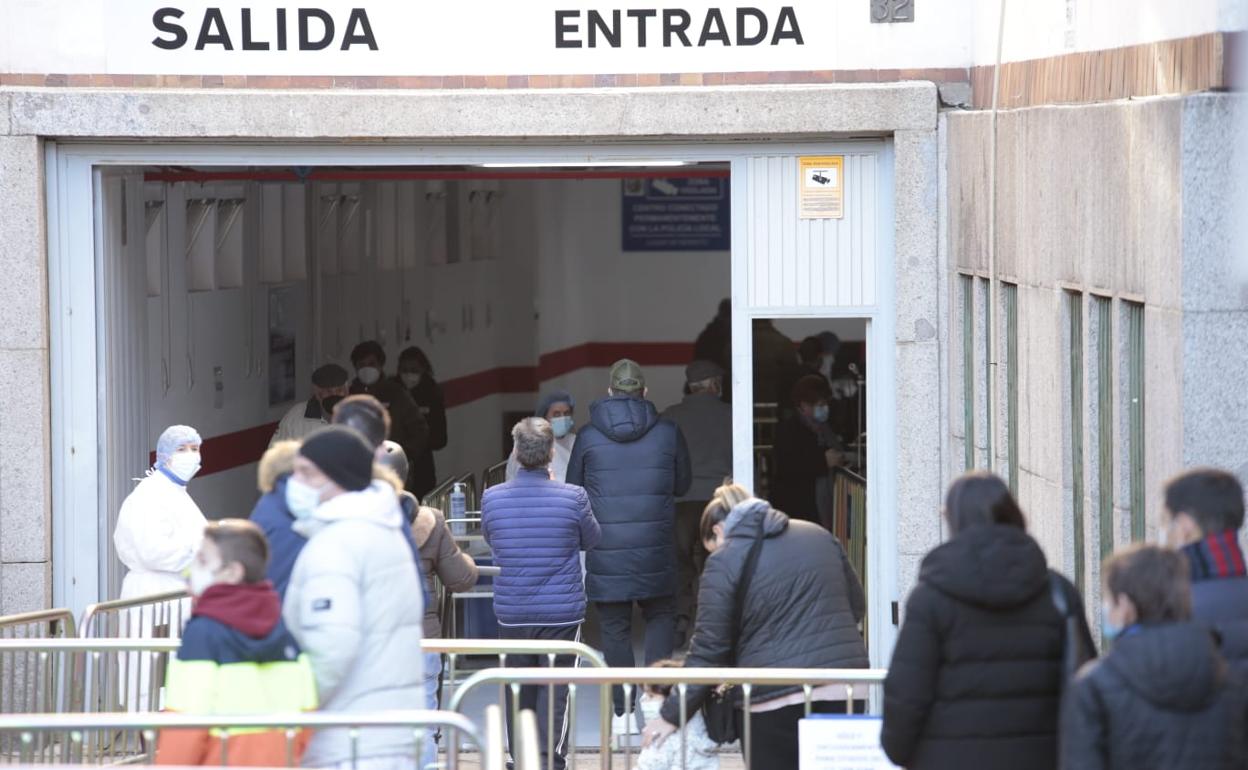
(459, 509)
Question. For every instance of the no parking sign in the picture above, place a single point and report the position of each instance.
(840, 742)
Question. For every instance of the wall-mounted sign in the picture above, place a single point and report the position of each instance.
(821, 186)
(676, 214)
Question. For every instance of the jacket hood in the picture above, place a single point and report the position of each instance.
(995, 566)
(1174, 666)
(623, 418)
(423, 526)
(253, 610)
(743, 520)
(377, 503)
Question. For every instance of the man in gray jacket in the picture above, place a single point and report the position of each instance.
(354, 602)
(706, 423)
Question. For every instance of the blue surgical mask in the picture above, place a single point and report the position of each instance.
(821, 413)
(1109, 628)
(302, 499)
(562, 426)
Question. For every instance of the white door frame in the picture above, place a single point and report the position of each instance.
(77, 395)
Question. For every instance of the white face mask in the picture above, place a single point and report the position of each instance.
(201, 579)
(185, 465)
(411, 379)
(562, 426)
(369, 375)
(302, 499)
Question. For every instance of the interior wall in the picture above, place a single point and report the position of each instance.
(539, 279)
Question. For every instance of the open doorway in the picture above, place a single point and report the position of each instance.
(226, 287)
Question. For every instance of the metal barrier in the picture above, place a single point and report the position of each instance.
(158, 616)
(44, 624)
(528, 746)
(67, 738)
(629, 678)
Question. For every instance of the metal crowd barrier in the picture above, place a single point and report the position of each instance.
(67, 738)
(158, 616)
(44, 624)
(630, 678)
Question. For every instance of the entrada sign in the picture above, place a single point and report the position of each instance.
(666, 27)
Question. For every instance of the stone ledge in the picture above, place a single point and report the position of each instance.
(710, 111)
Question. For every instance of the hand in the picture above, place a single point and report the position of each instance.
(656, 731)
(833, 458)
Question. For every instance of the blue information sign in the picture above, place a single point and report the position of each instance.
(677, 214)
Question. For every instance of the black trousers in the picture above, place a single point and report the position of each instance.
(773, 734)
(538, 698)
(616, 621)
(690, 556)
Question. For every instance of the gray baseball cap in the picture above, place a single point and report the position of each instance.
(627, 377)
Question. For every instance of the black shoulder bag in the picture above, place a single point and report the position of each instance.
(719, 710)
(1076, 639)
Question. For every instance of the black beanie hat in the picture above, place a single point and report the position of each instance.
(342, 455)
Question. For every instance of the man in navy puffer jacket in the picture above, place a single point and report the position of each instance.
(537, 528)
(633, 464)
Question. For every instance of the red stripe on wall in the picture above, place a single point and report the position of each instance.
(244, 447)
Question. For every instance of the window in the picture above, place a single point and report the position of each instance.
(1134, 317)
(1075, 399)
(967, 284)
(1009, 293)
(1103, 307)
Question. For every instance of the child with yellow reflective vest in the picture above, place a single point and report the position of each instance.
(236, 657)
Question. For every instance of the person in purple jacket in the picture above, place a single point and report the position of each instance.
(537, 528)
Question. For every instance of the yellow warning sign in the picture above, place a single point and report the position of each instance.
(821, 186)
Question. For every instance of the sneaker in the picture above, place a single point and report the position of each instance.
(624, 724)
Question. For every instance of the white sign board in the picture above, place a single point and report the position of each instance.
(832, 742)
(399, 38)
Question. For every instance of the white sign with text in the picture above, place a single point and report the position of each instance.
(831, 742)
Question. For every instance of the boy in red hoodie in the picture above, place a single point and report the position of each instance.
(236, 656)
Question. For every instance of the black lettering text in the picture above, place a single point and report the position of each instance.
(751, 13)
(160, 20)
(213, 20)
(281, 29)
(786, 27)
(641, 16)
(675, 24)
(598, 24)
(713, 29)
(564, 27)
(359, 18)
(248, 43)
(306, 43)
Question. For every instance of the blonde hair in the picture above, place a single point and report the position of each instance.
(726, 498)
(278, 461)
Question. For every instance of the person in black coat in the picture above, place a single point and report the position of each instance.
(805, 450)
(1163, 697)
(977, 672)
(416, 374)
(800, 609)
(633, 464)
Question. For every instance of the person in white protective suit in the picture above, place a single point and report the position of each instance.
(160, 528)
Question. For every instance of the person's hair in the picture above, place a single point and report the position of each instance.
(811, 389)
(277, 461)
(534, 439)
(414, 353)
(726, 498)
(1214, 498)
(239, 540)
(1155, 579)
(663, 689)
(366, 415)
(395, 459)
(367, 348)
(810, 350)
(979, 499)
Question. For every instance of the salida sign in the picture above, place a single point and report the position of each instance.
(467, 37)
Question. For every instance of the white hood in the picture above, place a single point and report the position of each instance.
(377, 503)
